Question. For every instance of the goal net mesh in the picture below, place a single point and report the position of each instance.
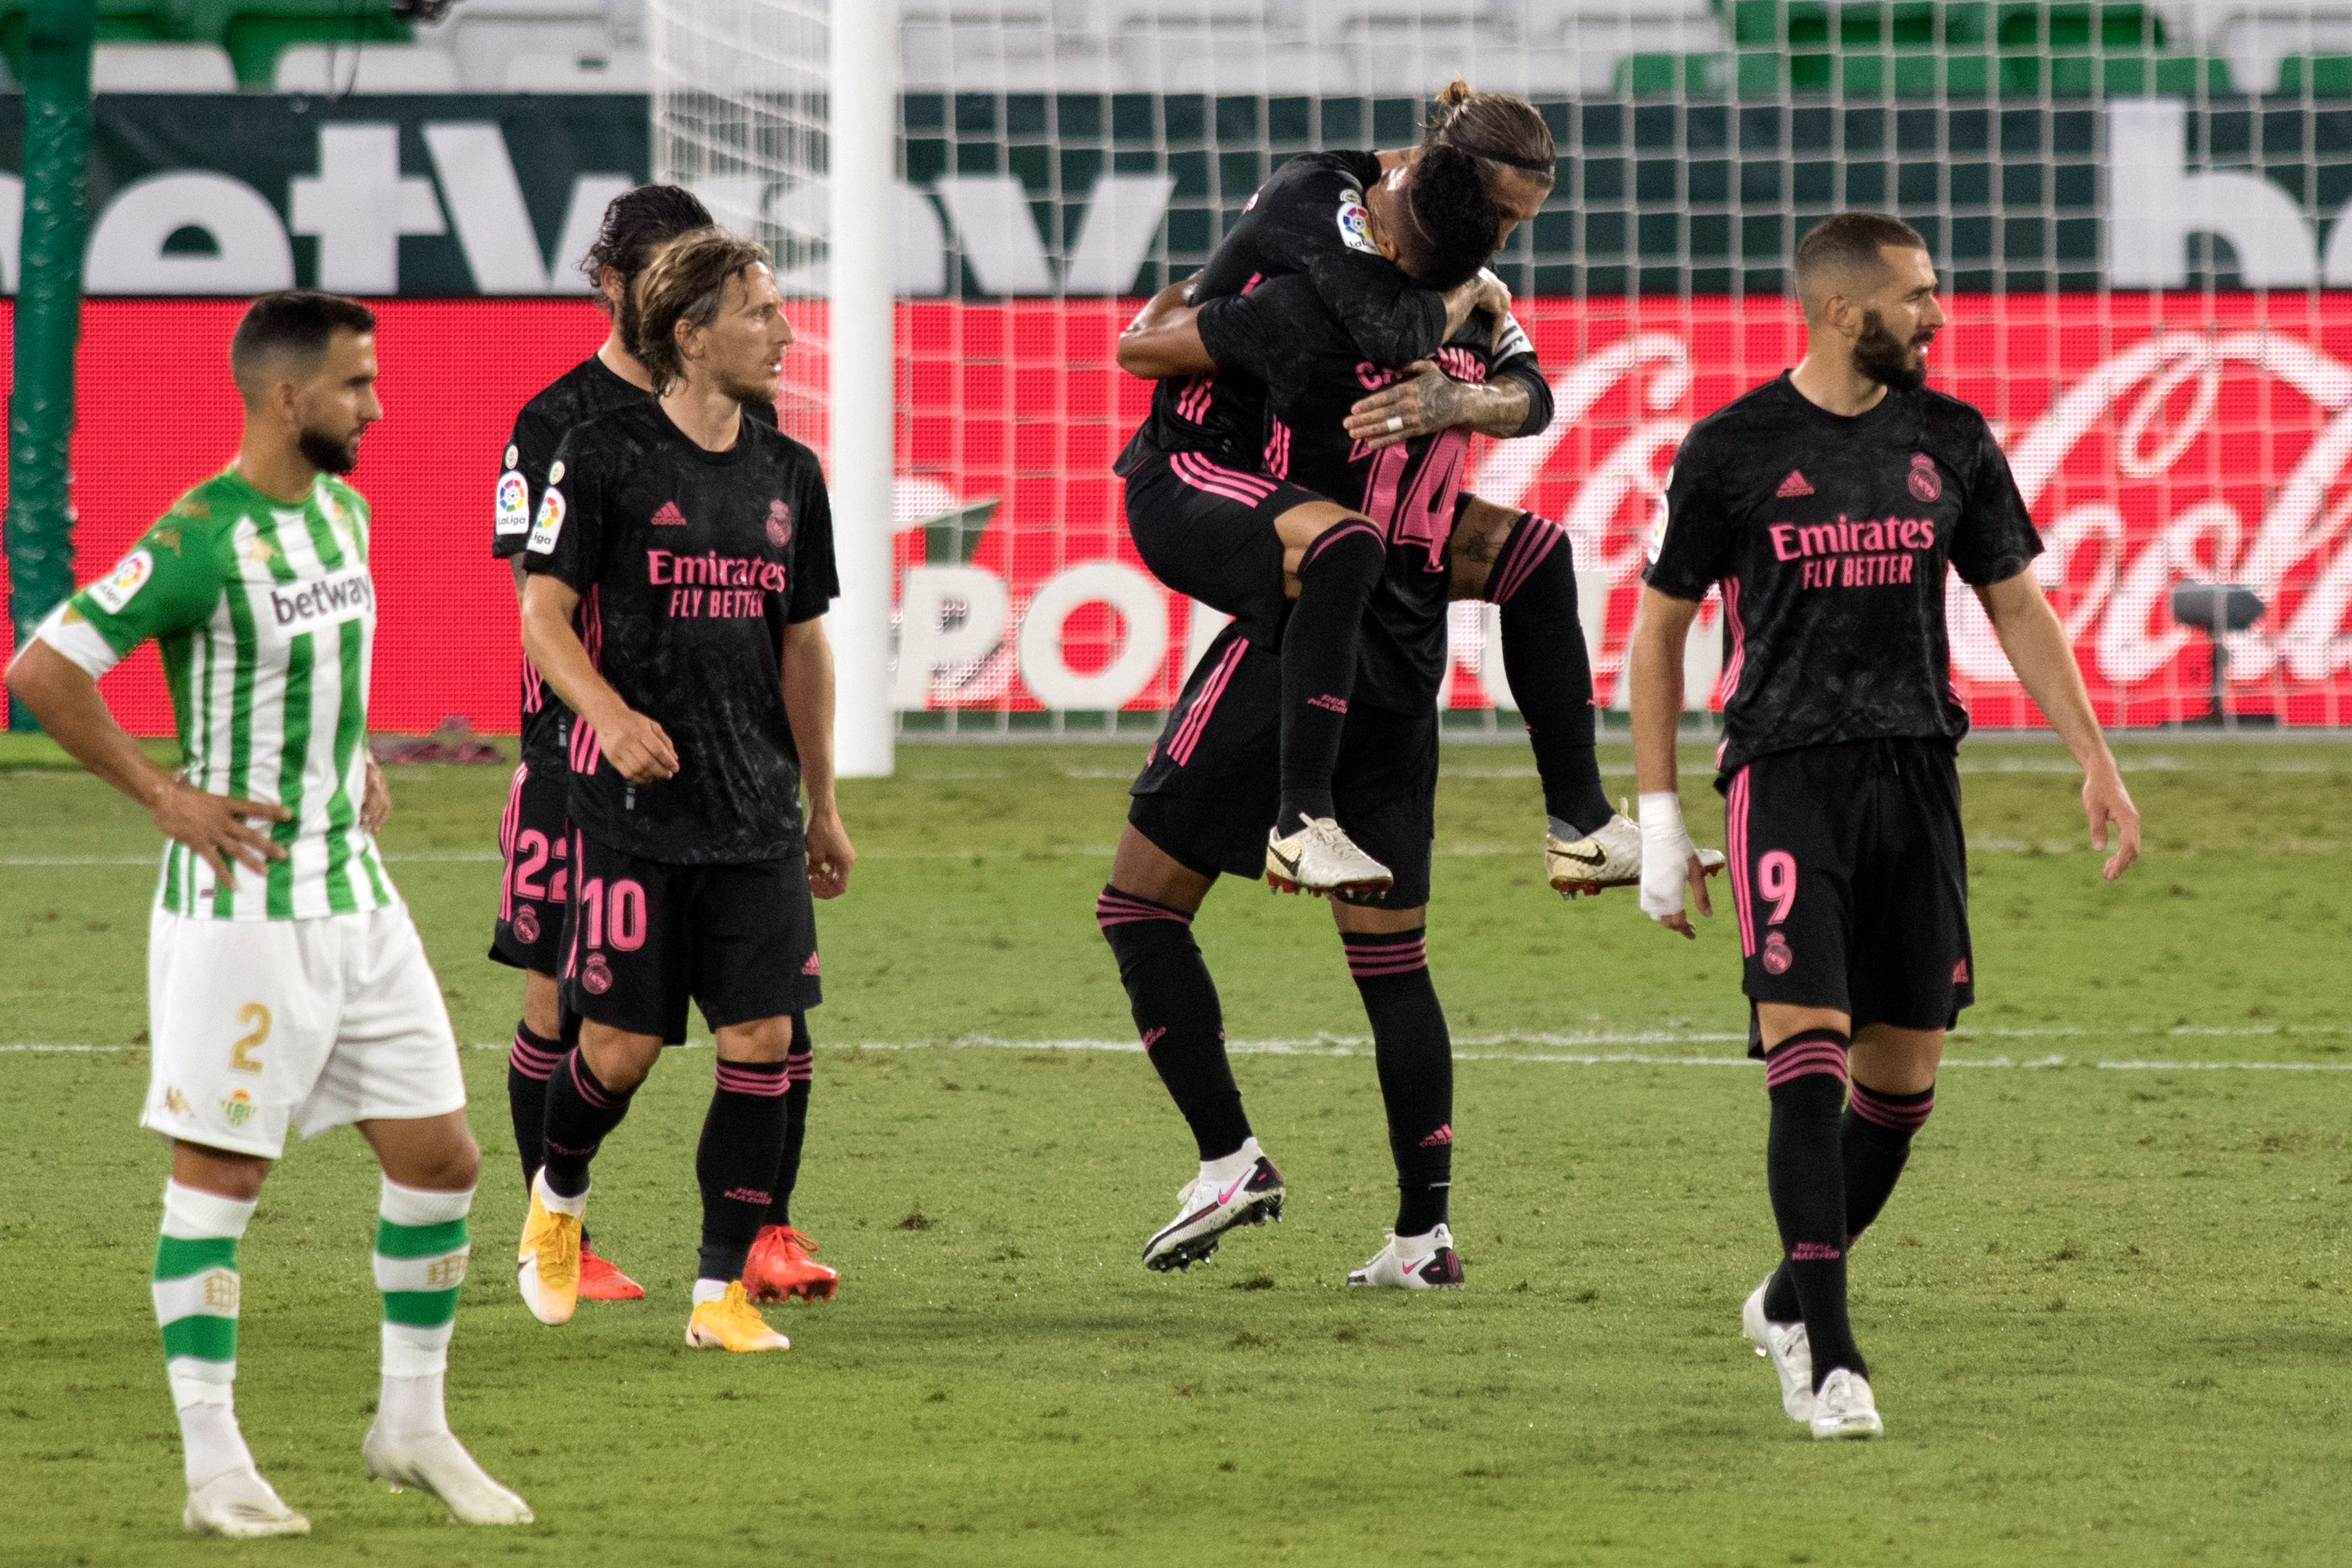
(2134, 207)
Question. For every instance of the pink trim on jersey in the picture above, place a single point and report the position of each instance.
(1255, 280)
(1187, 733)
(1736, 835)
(1249, 489)
(586, 749)
(1277, 451)
(571, 947)
(1192, 402)
(1739, 638)
(510, 821)
(534, 689)
(1538, 538)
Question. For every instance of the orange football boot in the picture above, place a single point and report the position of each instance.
(780, 1267)
(601, 1281)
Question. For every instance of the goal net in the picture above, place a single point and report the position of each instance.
(2135, 208)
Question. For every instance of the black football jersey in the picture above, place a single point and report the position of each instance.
(1309, 218)
(1283, 334)
(689, 565)
(1830, 536)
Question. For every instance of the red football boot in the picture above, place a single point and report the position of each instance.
(780, 1267)
(600, 1281)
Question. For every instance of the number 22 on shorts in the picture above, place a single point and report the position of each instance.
(241, 1056)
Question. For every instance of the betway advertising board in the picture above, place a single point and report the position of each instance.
(2159, 439)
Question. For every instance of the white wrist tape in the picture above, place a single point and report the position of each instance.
(1666, 851)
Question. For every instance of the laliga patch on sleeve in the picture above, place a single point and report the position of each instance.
(1356, 223)
(550, 523)
(1658, 519)
(113, 591)
(514, 504)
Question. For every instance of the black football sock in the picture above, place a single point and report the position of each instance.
(1875, 1140)
(581, 1113)
(1804, 1171)
(529, 1061)
(1319, 641)
(1415, 1058)
(1544, 657)
(736, 1163)
(800, 1072)
(1177, 1015)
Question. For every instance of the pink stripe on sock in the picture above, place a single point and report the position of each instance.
(590, 1090)
(1887, 1113)
(1800, 1060)
(761, 1085)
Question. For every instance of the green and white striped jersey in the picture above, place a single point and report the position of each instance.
(265, 616)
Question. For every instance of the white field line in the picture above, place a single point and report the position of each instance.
(1558, 1050)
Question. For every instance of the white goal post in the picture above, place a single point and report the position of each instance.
(782, 115)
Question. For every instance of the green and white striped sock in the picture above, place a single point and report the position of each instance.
(196, 1285)
(420, 1264)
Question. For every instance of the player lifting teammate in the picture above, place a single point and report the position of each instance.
(535, 836)
(1213, 521)
(1211, 777)
(699, 543)
(1828, 504)
(286, 985)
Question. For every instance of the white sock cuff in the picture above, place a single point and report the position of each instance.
(553, 1203)
(411, 1352)
(709, 1290)
(195, 1380)
(191, 1212)
(422, 1206)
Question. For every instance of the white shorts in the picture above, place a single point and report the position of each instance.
(259, 1024)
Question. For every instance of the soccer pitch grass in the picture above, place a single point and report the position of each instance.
(2106, 1313)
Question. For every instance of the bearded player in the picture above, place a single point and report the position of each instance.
(1828, 504)
(692, 546)
(286, 985)
(534, 835)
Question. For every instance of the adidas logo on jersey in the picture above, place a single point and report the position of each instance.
(1791, 487)
(812, 967)
(670, 517)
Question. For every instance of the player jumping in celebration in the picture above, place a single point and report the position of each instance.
(286, 985)
(1211, 777)
(1214, 519)
(534, 838)
(694, 547)
(1828, 504)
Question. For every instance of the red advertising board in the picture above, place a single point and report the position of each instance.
(2158, 439)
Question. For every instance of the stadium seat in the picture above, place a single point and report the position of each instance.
(2321, 76)
(629, 70)
(2259, 36)
(161, 67)
(364, 68)
(485, 35)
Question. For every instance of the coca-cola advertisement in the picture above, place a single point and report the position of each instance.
(2160, 439)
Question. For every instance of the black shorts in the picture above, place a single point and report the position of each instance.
(1850, 877)
(1207, 795)
(1207, 531)
(645, 936)
(535, 840)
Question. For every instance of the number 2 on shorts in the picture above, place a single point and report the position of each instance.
(256, 1017)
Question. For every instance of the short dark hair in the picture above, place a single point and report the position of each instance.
(687, 282)
(296, 321)
(1493, 126)
(1450, 218)
(1852, 239)
(636, 223)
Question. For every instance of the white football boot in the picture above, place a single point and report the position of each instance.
(1609, 856)
(1209, 1205)
(1844, 1408)
(438, 1463)
(1321, 859)
(241, 1505)
(1790, 1351)
(1423, 1263)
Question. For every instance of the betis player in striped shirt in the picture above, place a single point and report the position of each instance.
(286, 985)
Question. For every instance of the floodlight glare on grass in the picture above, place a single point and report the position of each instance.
(2215, 608)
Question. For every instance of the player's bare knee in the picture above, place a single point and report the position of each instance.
(760, 1040)
(619, 1060)
(1366, 920)
(1143, 868)
(221, 1171)
(1480, 530)
(542, 1004)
